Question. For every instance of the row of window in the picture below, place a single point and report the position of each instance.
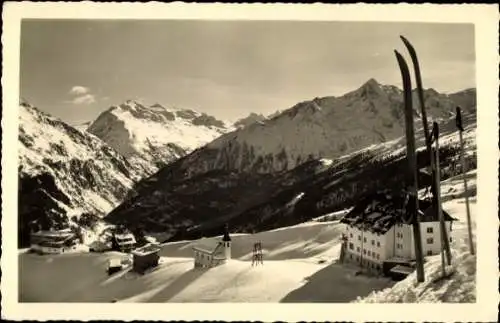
(370, 264)
(429, 241)
(365, 252)
(365, 240)
(399, 235)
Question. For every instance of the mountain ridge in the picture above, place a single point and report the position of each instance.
(340, 130)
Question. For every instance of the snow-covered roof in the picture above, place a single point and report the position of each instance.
(115, 262)
(146, 250)
(124, 236)
(125, 239)
(402, 269)
(379, 212)
(207, 245)
(53, 234)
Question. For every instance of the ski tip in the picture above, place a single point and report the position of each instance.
(400, 58)
(407, 43)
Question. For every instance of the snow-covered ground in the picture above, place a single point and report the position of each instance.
(300, 265)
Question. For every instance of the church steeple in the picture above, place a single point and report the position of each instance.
(226, 237)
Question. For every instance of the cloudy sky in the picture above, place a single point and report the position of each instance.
(76, 69)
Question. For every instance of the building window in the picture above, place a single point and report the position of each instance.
(451, 240)
(430, 230)
(369, 253)
(429, 252)
(359, 238)
(378, 256)
(357, 249)
(351, 245)
(350, 256)
(430, 240)
(364, 251)
(350, 235)
(378, 243)
(373, 242)
(364, 239)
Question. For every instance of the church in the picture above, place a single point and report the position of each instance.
(211, 252)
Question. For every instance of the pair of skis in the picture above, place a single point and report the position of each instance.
(412, 160)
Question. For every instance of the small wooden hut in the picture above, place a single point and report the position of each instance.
(145, 258)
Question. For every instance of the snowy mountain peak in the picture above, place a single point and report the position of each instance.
(152, 136)
(371, 89)
(250, 119)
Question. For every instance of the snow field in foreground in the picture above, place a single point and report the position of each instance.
(299, 266)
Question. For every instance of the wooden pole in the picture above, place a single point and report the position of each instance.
(412, 164)
(445, 247)
(464, 175)
(440, 214)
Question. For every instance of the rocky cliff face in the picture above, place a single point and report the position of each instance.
(64, 172)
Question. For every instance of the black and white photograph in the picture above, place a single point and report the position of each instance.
(260, 160)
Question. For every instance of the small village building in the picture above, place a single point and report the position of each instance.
(99, 246)
(54, 242)
(126, 242)
(212, 252)
(377, 238)
(114, 265)
(146, 257)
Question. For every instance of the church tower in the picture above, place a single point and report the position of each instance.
(226, 241)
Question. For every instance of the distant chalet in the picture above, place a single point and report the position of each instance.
(53, 241)
(377, 237)
(125, 241)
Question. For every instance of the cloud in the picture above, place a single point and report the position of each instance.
(81, 95)
(84, 99)
(79, 90)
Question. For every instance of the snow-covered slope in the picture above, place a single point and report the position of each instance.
(65, 172)
(327, 127)
(279, 172)
(151, 137)
(304, 255)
